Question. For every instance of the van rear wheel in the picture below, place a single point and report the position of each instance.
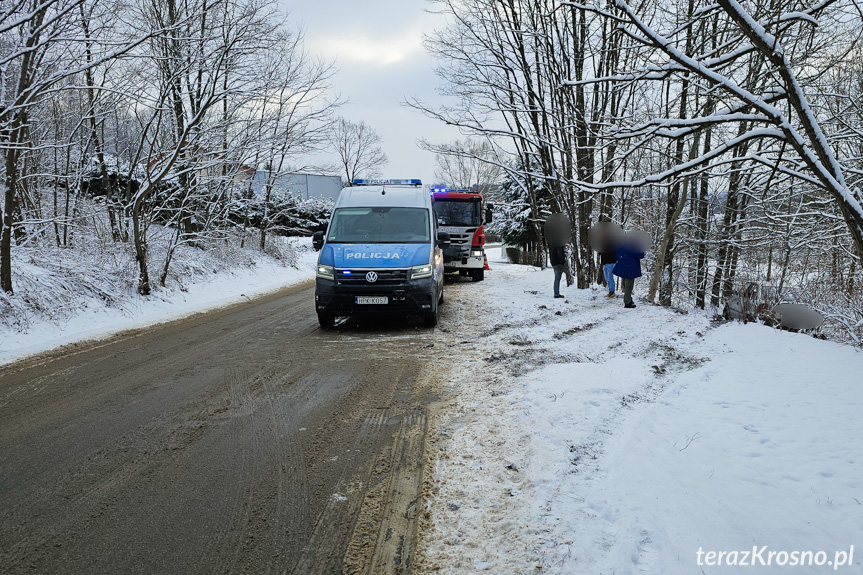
(478, 275)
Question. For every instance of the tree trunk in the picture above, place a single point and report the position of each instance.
(175, 239)
(665, 253)
(139, 235)
(6, 234)
(702, 262)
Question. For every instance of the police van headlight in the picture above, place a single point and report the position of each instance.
(326, 272)
(423, 271)
(476, 253)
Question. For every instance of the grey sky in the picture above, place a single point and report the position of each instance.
(377, 47)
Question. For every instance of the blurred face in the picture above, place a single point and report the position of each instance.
(638, 240)
(605, 237)
(557, 230)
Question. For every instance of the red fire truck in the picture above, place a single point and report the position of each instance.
(460, 214)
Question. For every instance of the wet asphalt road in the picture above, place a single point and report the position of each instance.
(245, 440)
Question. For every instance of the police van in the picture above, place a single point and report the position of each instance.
(381, 253)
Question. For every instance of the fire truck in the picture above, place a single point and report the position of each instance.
(460, 214)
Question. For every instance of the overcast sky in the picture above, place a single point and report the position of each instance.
(377, 48)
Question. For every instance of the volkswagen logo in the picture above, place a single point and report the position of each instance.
(372, 277)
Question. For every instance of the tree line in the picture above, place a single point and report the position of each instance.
(185, 113)
(729, 130)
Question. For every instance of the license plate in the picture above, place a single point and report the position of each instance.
(372, 300)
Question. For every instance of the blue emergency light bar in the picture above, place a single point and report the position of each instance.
(436, 190)
(374, 182)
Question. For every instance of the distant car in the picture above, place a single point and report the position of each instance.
(750, 303)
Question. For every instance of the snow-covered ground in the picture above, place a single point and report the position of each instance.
(209, 281)
(585, 438)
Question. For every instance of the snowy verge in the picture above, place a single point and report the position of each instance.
(578, 437)
(201, 281)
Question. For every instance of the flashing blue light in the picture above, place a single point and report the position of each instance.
(347, 272)
(389, 182)
(439, 190)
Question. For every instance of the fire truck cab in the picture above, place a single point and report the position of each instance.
(460, 214)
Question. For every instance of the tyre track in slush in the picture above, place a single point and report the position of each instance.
(209, 445)
(95, 479)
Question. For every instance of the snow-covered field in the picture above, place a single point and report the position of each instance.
(585, 438)
(203, 280)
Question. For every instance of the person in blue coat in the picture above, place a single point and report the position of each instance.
(627, 268)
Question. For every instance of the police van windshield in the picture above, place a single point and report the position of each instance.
(382, 225)
(458, 212)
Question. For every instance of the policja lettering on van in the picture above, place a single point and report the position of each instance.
(374, 256)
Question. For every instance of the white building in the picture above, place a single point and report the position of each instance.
(304, 186)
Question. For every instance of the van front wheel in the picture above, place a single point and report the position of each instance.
(327, 320)
(431, 318)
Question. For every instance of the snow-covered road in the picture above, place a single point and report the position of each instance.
(582, 437)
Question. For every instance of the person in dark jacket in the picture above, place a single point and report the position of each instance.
(557, 259)
(607, 259)
(627, 268)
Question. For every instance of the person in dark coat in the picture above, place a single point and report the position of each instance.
(557, 259)
(627, 268)
(607, 259)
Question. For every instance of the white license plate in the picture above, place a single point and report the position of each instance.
(372, 300)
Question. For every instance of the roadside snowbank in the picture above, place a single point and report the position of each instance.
(587, 438)
(201, 281)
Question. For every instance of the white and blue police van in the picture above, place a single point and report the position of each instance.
(381, 253)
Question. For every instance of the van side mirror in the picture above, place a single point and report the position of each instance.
(318, 241)
(443, 239)
(489, 213)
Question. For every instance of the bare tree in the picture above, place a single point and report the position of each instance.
(358, 147)
(754, 70)
(466, 164)
(40, 46)
(295, 117)
(509, 67)
(206, 112)
(634, 112)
